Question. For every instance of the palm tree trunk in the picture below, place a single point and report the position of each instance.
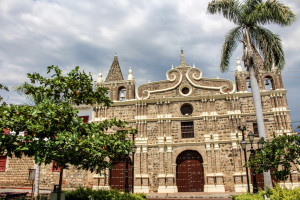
(250, 64)
(257, 103)
(259, 117)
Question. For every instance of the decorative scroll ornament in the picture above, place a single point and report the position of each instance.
(174, 76)
(194, 76)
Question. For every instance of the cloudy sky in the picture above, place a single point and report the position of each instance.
(147, 35)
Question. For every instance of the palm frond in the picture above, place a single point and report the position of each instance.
(31, 99)
(21, 90)
(249, 6)
(272, 11)
(269, 45)
(232, 39)
(229, 8)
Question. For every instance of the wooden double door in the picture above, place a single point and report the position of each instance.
(260, 179)
(117, 175)
(189, 172)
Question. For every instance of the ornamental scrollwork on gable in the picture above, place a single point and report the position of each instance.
(194, 76)
(174, 78)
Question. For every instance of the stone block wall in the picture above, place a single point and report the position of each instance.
(17, 172)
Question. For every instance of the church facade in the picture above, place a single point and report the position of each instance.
(187, 138)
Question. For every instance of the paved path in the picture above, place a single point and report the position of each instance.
(191, 195)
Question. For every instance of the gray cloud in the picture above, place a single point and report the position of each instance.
(146, 35)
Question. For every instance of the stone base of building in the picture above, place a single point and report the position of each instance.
(101, 187)
(289, 185)
(141, 189)
(214, 188)
(167, 189)
(240, 187)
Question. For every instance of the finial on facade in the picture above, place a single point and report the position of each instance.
(238, 65)
(182, 60)
(194, 66)
(130, 76)
(172, 66)
(116, 54)
(100, 80)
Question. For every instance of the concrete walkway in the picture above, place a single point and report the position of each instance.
(191, 195)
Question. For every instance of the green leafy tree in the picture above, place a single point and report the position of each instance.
(258, 41)
(281, 154)
(50, 129)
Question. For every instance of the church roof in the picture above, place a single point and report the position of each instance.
(115, 73)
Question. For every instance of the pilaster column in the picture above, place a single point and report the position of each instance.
(142, 177)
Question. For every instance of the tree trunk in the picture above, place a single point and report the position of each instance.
(250, 64)
(37, 180)
(60, 184)
(260, 119)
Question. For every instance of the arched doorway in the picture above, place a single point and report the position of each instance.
(117, 175)
(189, 172)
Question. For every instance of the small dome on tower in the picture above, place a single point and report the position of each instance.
(100, 80)
(130, 76)
(238, 65)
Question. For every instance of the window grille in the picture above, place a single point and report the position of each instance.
(187, 129)
(255, 130)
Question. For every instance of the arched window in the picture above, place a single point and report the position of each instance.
(269, 83)
(248, 85)
(122, 94)
(108, 93)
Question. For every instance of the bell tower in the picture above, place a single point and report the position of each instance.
(119, 89)
(267, 80)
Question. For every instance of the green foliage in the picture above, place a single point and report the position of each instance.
(281, 154)
(276, 193)
(76, 87)
(53, 131)
(249, 16)
(88, 193)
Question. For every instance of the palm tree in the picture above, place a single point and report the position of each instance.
(259, 43)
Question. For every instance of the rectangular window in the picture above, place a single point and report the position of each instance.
(55, 168)
(255, 130)
(85, 119)
(187, 129)
(2, 163)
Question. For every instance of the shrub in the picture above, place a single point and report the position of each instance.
(276, 193)
(89, 194)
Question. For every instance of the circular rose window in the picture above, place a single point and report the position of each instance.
(185, 90)
(186, 109)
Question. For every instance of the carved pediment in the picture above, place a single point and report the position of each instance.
(185, 81)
